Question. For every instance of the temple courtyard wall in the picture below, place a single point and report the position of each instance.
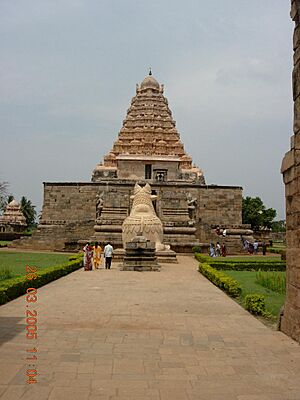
(70, 212)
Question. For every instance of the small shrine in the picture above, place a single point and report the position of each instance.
(13, 219)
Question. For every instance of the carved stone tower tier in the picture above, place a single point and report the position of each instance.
(148, 146)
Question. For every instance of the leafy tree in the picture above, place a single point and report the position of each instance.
(279, 226)
(255, 213)
(28, 210)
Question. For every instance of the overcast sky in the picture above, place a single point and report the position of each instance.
(68, 71)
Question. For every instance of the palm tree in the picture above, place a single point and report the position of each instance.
(28, 210)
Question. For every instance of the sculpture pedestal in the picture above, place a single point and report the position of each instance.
(140, 256)
(162, 256)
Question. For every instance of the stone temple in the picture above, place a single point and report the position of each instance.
(148, 149)
(13, 219)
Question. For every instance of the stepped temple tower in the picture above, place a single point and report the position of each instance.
(13, 219)
(148, 145)
(148, 149)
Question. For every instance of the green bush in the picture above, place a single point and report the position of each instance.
(241, 265)
(249, 266)
(15, 287)
(255, 304)
(196, 249)
(202, 258)
(77, 256)
(221, 280)
(274, 250)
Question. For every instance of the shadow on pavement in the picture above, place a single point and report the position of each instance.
(9, 328)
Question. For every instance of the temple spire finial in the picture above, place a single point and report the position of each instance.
(150, 72)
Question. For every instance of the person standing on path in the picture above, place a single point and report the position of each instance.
(212, 250)
(87, 259)
(108, 252)
(97, 250)
(218, 249)
(255, 246)
(264, 248)
(223, 250)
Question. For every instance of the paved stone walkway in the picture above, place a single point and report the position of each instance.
(169, 335)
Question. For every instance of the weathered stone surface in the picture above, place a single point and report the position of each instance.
(140, 255)
(69, 213)
(290, 323)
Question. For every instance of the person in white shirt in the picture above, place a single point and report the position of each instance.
(108, 253)
(255, 246)
(218, 249)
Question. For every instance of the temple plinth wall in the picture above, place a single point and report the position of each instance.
(80, 211)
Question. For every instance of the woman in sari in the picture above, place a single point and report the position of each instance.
(212, 250)
(223, 250)
(87, 259)
(97, 250)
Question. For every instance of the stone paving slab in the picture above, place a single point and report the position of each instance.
(118, 335)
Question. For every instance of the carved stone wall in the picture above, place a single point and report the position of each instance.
(79, 211)
(62, 199)
(290, 323)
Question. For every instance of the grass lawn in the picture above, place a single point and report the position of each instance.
(274, 301)
(17, 261)
(270, 257)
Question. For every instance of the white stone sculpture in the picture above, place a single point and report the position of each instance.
(143, 219)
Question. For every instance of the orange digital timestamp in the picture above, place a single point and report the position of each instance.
(31, 324)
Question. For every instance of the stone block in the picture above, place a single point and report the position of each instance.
(294, 11)
(292, 187)
(292, 255)
(296, 138)
(287, 162)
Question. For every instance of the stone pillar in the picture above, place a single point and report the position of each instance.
(290, 323)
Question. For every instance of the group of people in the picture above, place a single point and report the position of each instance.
(92, 256)
(217, 250)
(252, 248)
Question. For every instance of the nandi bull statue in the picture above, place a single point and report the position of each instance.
(143, 219)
